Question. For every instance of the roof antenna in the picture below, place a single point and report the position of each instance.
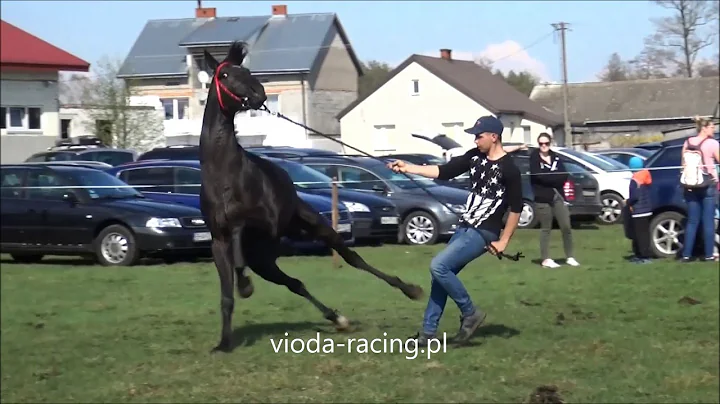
(199, 3)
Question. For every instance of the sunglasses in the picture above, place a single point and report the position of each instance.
(544, 143)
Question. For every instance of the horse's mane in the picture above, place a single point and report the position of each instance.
(238, 51)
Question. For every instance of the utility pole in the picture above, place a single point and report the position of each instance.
(562, 27)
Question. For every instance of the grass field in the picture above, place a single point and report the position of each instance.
(605, 332)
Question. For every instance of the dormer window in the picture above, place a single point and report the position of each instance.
(415, 87)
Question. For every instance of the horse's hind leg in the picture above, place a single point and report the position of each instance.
(262, 259)
(244, 283)
(222, 255)
(316, 226)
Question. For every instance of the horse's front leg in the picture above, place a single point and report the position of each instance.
(222, 255)
(244, 283)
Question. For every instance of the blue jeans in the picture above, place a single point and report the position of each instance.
(464, 246)
(701, 209)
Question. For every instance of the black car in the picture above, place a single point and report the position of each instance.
(374, 217)
(66, 151)
(424, 219)
(68, 209)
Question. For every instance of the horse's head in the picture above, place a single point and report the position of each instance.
(237, 89)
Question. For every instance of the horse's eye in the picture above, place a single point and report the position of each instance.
(224, 75)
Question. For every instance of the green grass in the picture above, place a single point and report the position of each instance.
(92, 334)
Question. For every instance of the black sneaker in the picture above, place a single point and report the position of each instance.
(468, 325)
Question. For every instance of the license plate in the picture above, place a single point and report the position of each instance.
(202, 236)
(344, 228)
(389, 220)
(588, 193)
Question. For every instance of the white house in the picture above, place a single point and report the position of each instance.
(430, 96)
(29, 103)
(304, 61)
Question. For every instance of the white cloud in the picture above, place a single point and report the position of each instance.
(508, 55)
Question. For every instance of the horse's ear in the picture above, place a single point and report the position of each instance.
(211, 62)
(237, 52)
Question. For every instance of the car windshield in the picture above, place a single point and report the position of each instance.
(306, 177)
(51, 156)
(101, 185)
(618, 165)
(399, 179)
(591, 159)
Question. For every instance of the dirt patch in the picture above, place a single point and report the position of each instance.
(575, 315)
(689, 301)
(545, 395)
(526, 302)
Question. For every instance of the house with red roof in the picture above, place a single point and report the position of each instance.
(29, 105)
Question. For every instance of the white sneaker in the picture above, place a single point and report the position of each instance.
(550, 263)
(571, 261)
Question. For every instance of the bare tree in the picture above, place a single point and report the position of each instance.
(111, 116)
(484, 62)
(653, 61)
(615, 70)
(690, 29)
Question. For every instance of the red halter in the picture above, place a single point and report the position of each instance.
(219, 86)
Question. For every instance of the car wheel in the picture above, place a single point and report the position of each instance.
(611, 208)
(27, 258)
(528, 219)
(420, 228)
(666, 230)
(115, 246)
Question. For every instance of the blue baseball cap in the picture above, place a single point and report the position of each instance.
(488, 124)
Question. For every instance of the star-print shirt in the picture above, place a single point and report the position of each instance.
(495, 187)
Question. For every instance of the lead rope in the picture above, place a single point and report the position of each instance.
(513, 257)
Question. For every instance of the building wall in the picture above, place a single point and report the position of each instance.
(29, 90)
(384, 122)
(641, 131)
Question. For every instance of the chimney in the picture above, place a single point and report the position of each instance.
(279, 10)
(446, 54)
(205, 12)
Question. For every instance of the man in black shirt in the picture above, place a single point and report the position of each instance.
(495, 187)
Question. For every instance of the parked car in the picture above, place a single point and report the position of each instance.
(424, 220)
(67, 151)
(287, 151)
(76, 210)
(667, 224)
(624, 154)
(374, 217)
(581, 189)
(613, 182)
(192, 152)
(178, 181)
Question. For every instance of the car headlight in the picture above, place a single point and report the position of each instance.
(356, 207)
(163, 222)
(455, 208)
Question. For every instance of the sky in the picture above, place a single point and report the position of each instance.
(385, 31)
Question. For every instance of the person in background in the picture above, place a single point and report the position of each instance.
(640, 209)
(547, 177)
(702, 202)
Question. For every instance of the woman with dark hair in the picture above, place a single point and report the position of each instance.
(547, 177)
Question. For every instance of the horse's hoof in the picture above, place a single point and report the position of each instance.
(414, 292)
(223, 347)
(247, 291)
(342, 323)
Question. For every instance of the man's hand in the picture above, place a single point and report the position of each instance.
(398, 166)
(497, 247)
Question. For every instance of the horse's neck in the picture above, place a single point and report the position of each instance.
(218, 141)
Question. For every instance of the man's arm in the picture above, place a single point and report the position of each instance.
(451, 169)
(515, 201)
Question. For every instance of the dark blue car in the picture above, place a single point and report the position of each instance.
(178, 181)
(667, 225)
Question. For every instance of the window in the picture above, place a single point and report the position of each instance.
(527, 134)
(415, 87)
(273, 104)
(382, 138)
(355, 178)
(175, 108)
(37, 178)
(65, 128)
(3, 118)
(10, 178)
(114, 158)
(330, 171)
(156, 179)
(27, 118)
(187, 180)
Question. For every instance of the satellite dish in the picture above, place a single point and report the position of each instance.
(203, 77)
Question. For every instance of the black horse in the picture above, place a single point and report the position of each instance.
(250, 203)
